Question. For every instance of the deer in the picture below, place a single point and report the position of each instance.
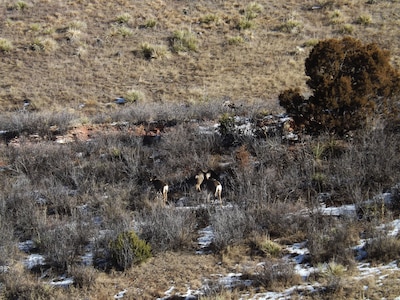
(160, 187)
(199, 180)
(211, 184)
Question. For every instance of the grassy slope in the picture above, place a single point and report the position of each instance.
(99, 64)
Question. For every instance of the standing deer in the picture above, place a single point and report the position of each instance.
(199, 180)
(211, 184)
(160, 187)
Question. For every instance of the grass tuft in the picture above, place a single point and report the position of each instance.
(46, 45)
(364, 19)
(184, 41)
(235, 40)
(134, 96)
(123, 18)
(5, 45)
(153, 51)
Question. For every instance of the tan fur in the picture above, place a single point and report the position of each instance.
(211, 184)
(161, 187)
(200, 178)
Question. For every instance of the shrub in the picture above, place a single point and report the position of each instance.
(209, 18)
(167, 229)
(383, 248)
(235, 40)
(151, 23)
(226, 124)
(346, 29)
(21, 5)
(120, 30)
(329, 241)
(231, 227)
(18, 285)
(364, 20)
(290, 26)
(5, 45)
(46, 45)
(183, 41)
(253, 10)
(23, 214)
(123, 18)
(266, 246)
(78, 25)
(244, 24)
(349, 81)
(7, 248)
(153, 51)
(84, 276)
(275, 275)
(134, 96)
(62, 245)
(124, 31)
(128, 249)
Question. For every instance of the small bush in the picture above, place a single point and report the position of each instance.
(250, 13)
(346, 29)
(332, 269)
(364, 20)
(73, 34)
(150, 23)
(62, 245)
(120, 30)
(183, 41)
(84, 276)
(267, 247)
(275, 275)
(46, 45)
(7, 248)
(209, 18)
(128, 249)
(5, 45)
(78, 25)
(167, 229)
(123, 18)
(231, 227)
(327, 242)
(290, 26)
(383, 248)
(134, 96)
(244, 23)
(153, 51)
(235, 40)
(253, 10)
(226, 124)
(14, 287)
(21, 5)
(124, 31)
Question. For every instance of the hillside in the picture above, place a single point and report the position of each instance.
(66, 54)
(301, 216)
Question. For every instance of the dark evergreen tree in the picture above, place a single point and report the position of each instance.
(349, 80)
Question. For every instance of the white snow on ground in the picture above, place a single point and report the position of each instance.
(205, 239)
(62, 281)
(34, 260)
(296, 254)
(120, 294)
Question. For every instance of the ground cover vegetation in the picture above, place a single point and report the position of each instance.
(75, 169)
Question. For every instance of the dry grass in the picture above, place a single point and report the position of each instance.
(63, 54)
(77, 57)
